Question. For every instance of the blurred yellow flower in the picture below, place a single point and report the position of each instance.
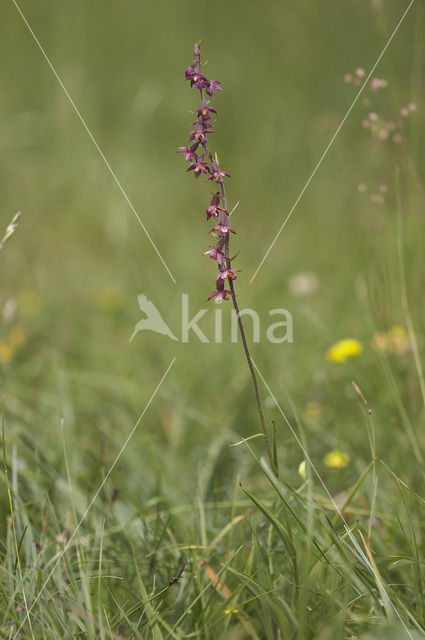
(395, 340)
(29, 303)
(301, 470)
(229, 610)
(336, 459)
(109, 299)
(344, 349)
(16, 337)
(399, 340)
(6, 353)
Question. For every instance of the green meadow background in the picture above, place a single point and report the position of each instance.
(73, 386)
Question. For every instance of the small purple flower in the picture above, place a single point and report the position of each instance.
(220, 295)
(212, 211)
(222, 229)
(197, 79)
(198, 167)
(213, 208)
(196, 50)
(213, 85)
(204, 110)
(199, 133)
(217, 174)
(189, 71)
(204, 122)
(227, 274)
(215, 254)
(189, 151)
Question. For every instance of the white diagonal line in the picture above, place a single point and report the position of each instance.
(66, 547)
(102, 155)
(338, 510)
(331, 141)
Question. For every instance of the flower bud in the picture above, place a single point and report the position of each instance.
(220, 284)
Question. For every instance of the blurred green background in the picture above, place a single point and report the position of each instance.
(79, 257)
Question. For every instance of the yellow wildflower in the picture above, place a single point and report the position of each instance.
(16, 337)
(6, 353)
(336, 459)
(229, 610)
(301, 470)
(344, 349)
(29, 303)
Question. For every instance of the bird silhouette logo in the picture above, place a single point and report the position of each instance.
(153, 320)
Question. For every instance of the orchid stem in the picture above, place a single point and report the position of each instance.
(246, 350)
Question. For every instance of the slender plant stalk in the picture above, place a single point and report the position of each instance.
(205, 164)
(246, 349)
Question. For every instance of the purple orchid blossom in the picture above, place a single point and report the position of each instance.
(199, 133)
(214, 254)
(204, 110)
(206, 163)
(222, 230)
(198, 167)
(189, 152)
(216, 174)
(227, 273)
(213, 210)
(213, 85)
(220, 295)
